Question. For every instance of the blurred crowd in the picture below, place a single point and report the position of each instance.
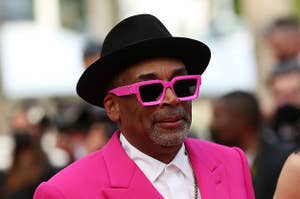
(79, 129)
(266, 134)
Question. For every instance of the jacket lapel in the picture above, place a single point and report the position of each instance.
(209, 171)
(126, 179)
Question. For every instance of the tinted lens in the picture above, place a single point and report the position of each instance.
(151, 92)
(185, 88)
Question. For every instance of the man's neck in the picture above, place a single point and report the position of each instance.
(164, 154)
(167, 154)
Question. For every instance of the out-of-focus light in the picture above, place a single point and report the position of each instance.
(39, 62)
(189, 17)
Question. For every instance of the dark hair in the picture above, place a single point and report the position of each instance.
(91, 48)
(283, 23)
(78, 118)
(74, 117)
(245, 104)
(284, 67)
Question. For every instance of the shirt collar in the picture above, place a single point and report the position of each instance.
(153, 168)
(182, 162)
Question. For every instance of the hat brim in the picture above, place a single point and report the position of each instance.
(93, 83)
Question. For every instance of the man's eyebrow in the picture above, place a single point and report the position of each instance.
(147, 76)
(150, 76)
(179, 71)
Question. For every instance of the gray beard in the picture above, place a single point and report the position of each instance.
(169, 138)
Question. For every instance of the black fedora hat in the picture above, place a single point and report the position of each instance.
(134, 39)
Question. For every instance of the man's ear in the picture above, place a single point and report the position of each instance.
(111, 107)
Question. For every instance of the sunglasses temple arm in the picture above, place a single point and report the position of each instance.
(123, 90)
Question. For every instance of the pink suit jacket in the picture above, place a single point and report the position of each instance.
(221, 172)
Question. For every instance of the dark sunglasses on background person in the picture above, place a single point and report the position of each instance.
(152, 92)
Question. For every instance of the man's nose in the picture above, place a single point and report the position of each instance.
(170, 98)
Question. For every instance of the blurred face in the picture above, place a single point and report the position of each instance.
(90, 59)
(72, 143)
(285, 44)
(224, 125)
(286, 89)
(152, 127)
(96, 137)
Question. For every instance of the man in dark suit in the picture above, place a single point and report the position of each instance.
(237, 122)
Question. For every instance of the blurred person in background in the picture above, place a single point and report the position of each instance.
(32, 118)
(102, 127)
(29, 168)
(284, 84)
(91, 52)
(282, 114)
(73, 123)
(237, 122)
(82, 129)
(289, 179)
(100, 131)
(30, 164)
(283, 35)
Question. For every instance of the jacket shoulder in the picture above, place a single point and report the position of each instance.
(230, 162)
(215, 154)
(76, 176)
(217, 150)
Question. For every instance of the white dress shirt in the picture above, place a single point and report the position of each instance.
(174, 180)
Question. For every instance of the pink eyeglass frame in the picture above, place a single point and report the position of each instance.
(134, 89)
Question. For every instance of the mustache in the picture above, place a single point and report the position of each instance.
(171, 113)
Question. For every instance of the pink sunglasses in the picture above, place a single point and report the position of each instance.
(152, 92)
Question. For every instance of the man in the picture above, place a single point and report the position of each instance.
(146, 80)
(237, 122)
(101, 128)
(283, 36)
(284, 84)
(73, 124)
(91, 52)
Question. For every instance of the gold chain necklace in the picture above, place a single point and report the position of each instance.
(196, 187)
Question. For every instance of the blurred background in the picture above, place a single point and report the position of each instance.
(45, 46)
